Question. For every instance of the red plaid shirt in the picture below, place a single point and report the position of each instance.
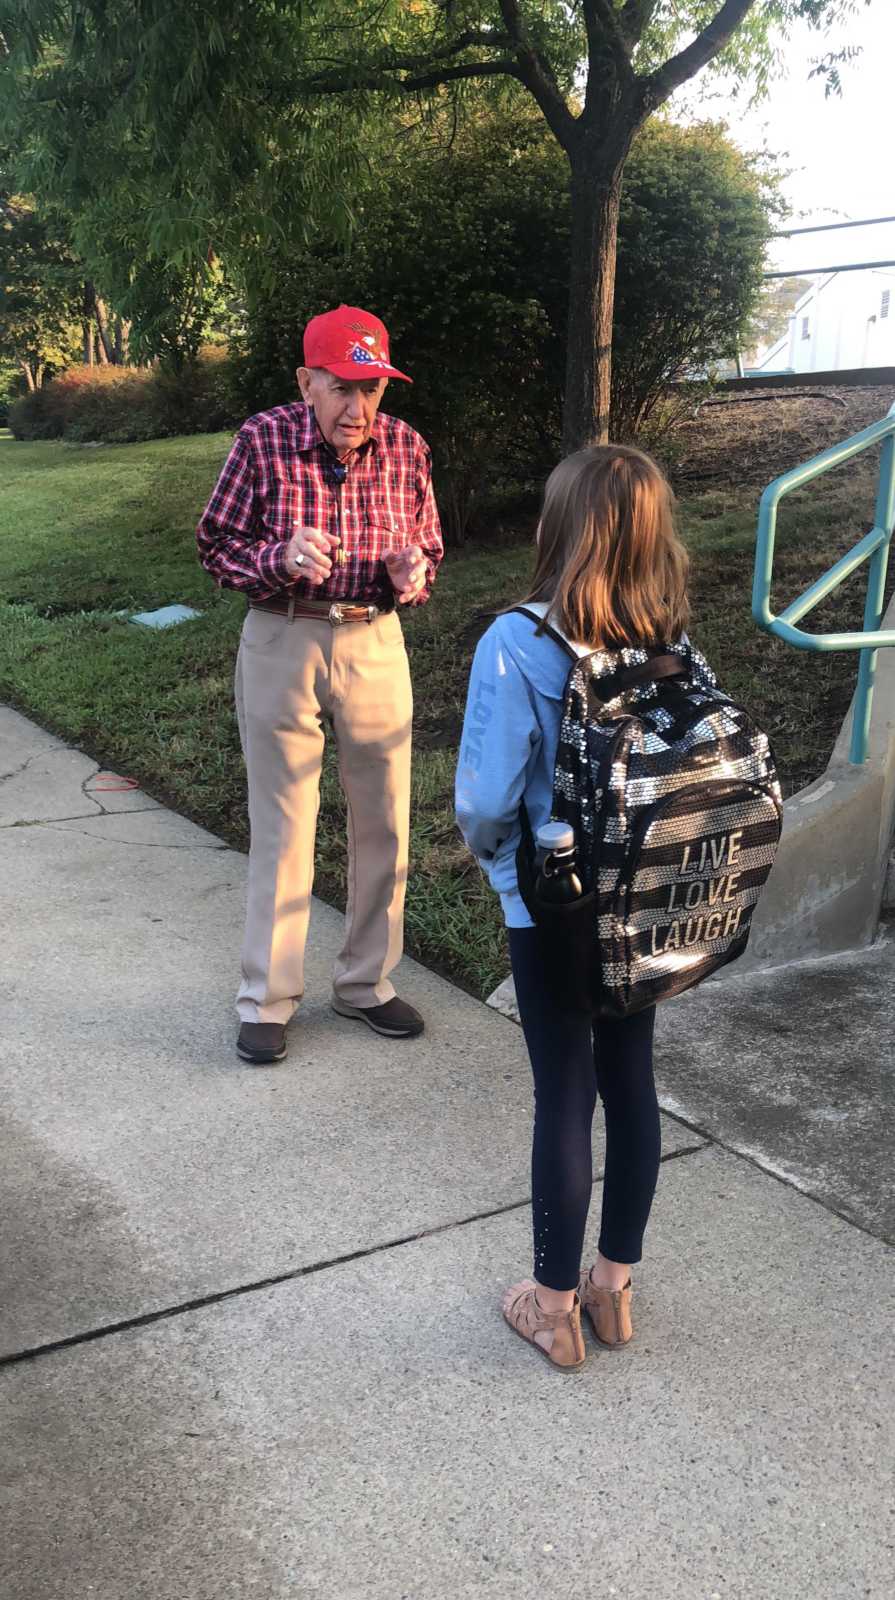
(280, 475)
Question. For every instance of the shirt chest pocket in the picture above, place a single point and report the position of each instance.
(391, 524)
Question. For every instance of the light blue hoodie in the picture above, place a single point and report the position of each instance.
(508, 748)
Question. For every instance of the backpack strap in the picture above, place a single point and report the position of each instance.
(543, 626)
(525, 855)
(667, 666)
(606, 689)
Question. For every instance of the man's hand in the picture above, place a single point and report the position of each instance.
(407, 571)
(309, 554)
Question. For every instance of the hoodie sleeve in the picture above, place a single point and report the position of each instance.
(500, 731)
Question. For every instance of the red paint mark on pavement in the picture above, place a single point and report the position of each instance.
(111, 783)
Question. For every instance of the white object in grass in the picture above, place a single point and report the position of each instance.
(165, 617)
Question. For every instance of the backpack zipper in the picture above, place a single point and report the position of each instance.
(648, 815)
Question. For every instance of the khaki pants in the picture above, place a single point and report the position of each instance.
(291, 678)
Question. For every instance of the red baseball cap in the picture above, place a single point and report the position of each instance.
(350, 343)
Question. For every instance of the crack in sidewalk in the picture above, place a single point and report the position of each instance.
(91, 816)
(91, 797)
(764, 1163)
(200, 1302)
(39, 755)
(86, 795)
(129, 844)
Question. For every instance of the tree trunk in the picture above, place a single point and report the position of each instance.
(29, 376)
(90, 344)
(595, 196)
(106, 353)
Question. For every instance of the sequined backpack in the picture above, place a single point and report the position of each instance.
(675, 801)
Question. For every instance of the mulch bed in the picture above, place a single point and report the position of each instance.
(754, 435)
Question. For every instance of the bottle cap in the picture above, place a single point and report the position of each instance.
(556, 836)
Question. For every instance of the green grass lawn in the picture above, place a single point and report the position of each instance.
(86, 532)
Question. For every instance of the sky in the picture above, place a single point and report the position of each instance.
(838, 150)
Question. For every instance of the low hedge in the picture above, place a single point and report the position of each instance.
(122, 405)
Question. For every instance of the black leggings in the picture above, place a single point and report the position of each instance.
(571, 1060)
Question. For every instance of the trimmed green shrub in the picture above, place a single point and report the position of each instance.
(695, 218)
(457, 253)
(465, 255)
(121, 405)
(27, 419)
(203, 397)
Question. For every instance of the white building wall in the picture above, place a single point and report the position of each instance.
(841, 322)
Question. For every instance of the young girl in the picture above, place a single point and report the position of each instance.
(610, 573)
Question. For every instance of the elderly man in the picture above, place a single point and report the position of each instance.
(324, 517)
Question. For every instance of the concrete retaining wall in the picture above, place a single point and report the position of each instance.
(829, 884)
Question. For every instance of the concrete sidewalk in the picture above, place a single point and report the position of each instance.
(248, 1319)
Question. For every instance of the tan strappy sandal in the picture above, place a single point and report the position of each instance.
(609, 1311)
(526, 1318)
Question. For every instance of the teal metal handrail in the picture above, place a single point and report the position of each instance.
(874, 547)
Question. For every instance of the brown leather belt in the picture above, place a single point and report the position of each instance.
(320, 610)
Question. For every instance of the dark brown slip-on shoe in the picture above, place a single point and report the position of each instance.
(262, 1043)
(395, 1019)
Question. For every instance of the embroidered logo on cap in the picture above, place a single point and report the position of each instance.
(368, 349)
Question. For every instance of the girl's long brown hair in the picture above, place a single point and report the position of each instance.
(609, 560)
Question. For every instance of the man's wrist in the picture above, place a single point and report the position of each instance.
(274, 564)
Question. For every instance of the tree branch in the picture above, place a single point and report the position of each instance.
(678, 69)
(538, 77)
(421, 71)
(475, 69)
(601, 21)
(472, 39)
(634, 17)
(339, 84)
(512, 17)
